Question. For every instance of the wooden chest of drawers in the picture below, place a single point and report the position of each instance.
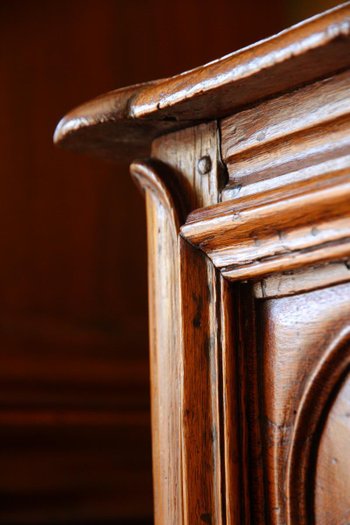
(246, 173)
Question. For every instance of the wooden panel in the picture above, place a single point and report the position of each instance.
(332, 497)
(48, 364)
(303, 354)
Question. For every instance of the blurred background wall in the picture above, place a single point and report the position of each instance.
(74, 402)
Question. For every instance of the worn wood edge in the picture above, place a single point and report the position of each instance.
(124, 122)
(165, 210)
(158, 178)
(105, 127)
(236, 192)
(301, 39)
(300, 470)
(207, 227)
(278, 236)
(284, 115)
(193, 155)
(299, 259)
(301, 281)
(177, 401)
(326, 177)
(275, 142)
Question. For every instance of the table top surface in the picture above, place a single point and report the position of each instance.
(124, 122)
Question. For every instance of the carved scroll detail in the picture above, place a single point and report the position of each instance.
(156, 177)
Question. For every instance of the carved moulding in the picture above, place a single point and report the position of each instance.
(200, 384)
(297, 236)
(276, 231)
(314, 406)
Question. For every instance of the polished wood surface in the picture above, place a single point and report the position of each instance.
(332, 468)
(74, 397)
(248, 237)
(124, 122)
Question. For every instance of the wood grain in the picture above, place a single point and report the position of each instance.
(331, 504)
(123, 123)
(252, 489)
(192, 157)
(163, 220)
(202, 441)
(287, 139)
(230, 409)
(303, 280)
(278, 231)
(303, 354)
(247, 376)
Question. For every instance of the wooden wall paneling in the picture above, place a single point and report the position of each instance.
(74, 397)
(303, 355)
(63, 468)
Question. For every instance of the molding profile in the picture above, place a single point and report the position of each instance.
(314, 405)
(157, 178)
(123, 123)
(277, 232)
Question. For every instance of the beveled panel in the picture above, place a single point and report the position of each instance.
(332, 494)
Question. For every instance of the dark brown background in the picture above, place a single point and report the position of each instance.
(74, 406)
